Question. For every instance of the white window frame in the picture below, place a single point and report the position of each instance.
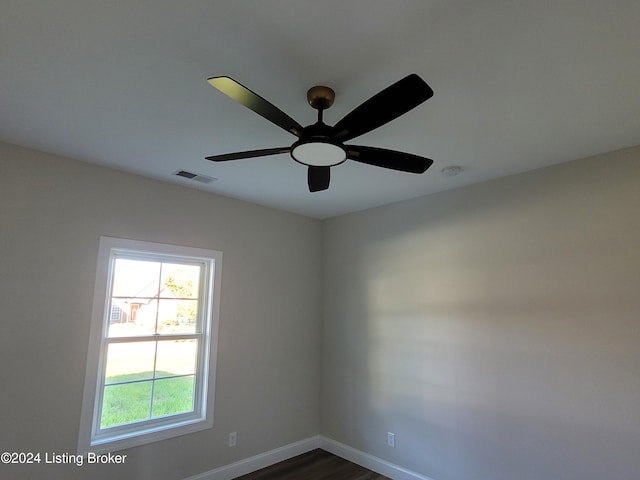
(91, 437)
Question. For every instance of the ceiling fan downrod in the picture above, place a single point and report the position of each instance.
(320, 98)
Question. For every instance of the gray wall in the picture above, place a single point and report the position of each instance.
(495, 328)
(52, 213)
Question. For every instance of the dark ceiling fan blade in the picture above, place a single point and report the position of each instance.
(383, 107)
(318, 178)
(255, 102)
(249, 154)
(392, 159)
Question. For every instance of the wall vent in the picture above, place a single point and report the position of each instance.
(195, 176)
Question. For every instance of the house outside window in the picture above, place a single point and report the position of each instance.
(152, 354)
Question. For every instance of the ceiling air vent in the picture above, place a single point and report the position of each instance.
(195, 176)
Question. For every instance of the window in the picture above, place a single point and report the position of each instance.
(151, 365)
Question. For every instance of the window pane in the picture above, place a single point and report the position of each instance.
(176, 357)
(130, 361)
(135, 278)
(180, 280)
(172, 396)
(131, 317)
(126, 403)
(177, 316)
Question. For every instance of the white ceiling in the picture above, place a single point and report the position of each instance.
(518, 86)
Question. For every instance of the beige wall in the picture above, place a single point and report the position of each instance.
(495, 329)
(52, 213)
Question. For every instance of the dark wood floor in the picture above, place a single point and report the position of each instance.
(314, 465)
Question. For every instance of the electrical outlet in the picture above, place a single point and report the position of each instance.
(233, 439)
(391, 439)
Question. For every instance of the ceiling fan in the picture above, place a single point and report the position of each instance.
(320, 146)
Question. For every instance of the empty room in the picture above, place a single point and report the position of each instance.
(397, 239)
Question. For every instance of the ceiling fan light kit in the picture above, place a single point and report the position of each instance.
(320, 146)
(318, 153)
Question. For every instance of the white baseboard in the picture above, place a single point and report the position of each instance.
(376, 464)
(251, 464)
